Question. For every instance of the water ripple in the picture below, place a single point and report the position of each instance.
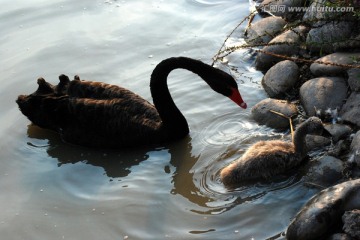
(225, 130)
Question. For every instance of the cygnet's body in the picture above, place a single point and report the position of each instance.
(265, 159)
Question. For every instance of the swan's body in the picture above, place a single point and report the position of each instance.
(266, 159)
(103, 115)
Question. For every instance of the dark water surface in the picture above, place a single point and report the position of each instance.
(53, 190)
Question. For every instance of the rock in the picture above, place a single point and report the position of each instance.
(338, 131)
(338, 58)
(351, 220)
(355, 143)
(323, 93)
(280, 7)
(314, 17)
(355, 149)
(322, 38)
(337, 149)
(350, 43)
(314, 142)
(354, 79)
(261, 113)
(280, 78)
(325, 171)
(264, 30)
(319, 13)
(287, 44)
(350, 112)
(318, 218)
(339, 236)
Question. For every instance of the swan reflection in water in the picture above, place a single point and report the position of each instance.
(118, 164)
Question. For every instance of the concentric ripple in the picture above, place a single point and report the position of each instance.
(225, 130)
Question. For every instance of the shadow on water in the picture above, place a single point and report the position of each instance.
(200, 186)
(116, 164)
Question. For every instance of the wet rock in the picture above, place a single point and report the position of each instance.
(318, 218)
(330, 70)
(351, 220)
(261, 113)
(339, 236)
(280, 7)
(354, 79)
(323, 37)
(325, 171)
(338, 131)
(287, 44)
(280, 78)
(323, 93)
(350, 112)
(314, 142)
(264, 30)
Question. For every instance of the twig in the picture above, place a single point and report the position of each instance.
(295, 59)
(228, 36)
(314, 185)
(290, 122)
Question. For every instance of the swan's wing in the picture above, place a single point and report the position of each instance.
(98, 90)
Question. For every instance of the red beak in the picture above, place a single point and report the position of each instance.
(236, 97)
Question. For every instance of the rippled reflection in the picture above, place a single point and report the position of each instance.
(115, 163)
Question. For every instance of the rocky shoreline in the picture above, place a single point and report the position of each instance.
(311, 65)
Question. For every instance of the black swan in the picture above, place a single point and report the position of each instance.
(102, 115)
(265, 159)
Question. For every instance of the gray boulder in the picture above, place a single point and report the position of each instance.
(355, 149)
(323, 212)
(264, 30)
(316, 142)
(323, 93)
(280, 78)
(324, 37)
(325, 171)
(339, 58)
(261, 113)
(351, 220)
(350, 112)
(338, 131)
(354, 79)
(316, 15)
(286, 44)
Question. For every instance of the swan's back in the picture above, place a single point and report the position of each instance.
(93, 113)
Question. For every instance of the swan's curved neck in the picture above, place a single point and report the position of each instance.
(300, 140)
(173, 119)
